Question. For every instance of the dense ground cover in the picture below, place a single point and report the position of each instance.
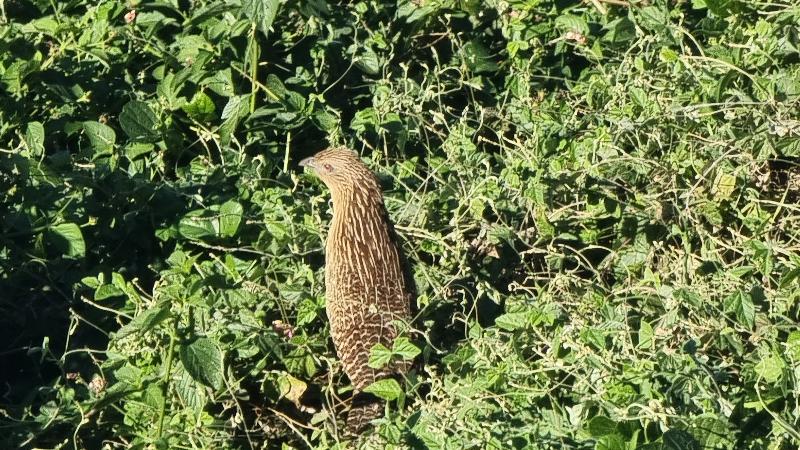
(599, 201)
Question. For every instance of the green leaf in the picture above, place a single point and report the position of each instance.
(291, 388)
(34, 139)
(274, 87)
(91, 282)
(645, 335)
(367, 60)
(47, 25)
(101, 136)
(189, 47)
(601, 426)
(405, 348)
(192, 394)
(306, 312)
(202, 358)
(513, 321)
(220, 83)
(135, 150)
(741, 304)
(67, 237)
(300, 362)
(201, 108)
(169, 92)
(721, 8)
(477, 57)
(675, 439)
(387, 389)
(107, 291)
(571, 22)
(262, 12)
(195, 226)
(611, 442)
(139, 122)
(230, 216)
(379, 356)
(235, 110)
(144, 321)
(14, 75)
(324, 120)
(793, 346)
(770, 368)
(620, 31)
(723, 187)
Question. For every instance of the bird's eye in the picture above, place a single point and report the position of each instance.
(328, 167)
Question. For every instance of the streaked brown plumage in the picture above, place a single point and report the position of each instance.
(365, 286)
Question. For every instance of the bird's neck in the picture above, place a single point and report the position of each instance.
(358, 201)
(358, 214)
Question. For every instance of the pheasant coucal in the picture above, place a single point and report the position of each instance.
(366, 287)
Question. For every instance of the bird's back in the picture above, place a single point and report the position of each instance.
(365, 288)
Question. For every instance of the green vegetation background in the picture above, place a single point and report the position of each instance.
(599, 200)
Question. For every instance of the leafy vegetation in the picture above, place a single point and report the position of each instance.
(598, 200)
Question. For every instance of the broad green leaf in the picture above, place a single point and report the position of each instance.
(15, 73)
(793, 347)
(611, 442)
(152, 396)
(220, 83)
(675, 439)
(107, 291)
(189, 47)
(770, 368)
(405, 348)
(379, 356)
(645, 335)
(571, 22)
(144, 321)
(275, 88)
(201, 108)
(101, 136)
(712, 432)
(367, 60)
(34, 139)
(324, 120)
(234, 111)
(91, 282)
(192, 393)
(477, 57)
(230, 216)
(723, 187)
(306, 312)
(620, 31)
(513, 321)
(139, 122)
(261, 12)
(67, 237)
(195, 226)
(386, 389)
(169, 92)
(291, 388)
(601, 426)
(300, 362)
(46, 25)
(202, 358)
(721, 8)
(741, 304)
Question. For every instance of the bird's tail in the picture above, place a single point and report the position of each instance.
(365, 408)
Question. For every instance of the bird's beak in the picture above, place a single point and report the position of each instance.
(307, 162)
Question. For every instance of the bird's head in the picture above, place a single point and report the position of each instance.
(341, 170)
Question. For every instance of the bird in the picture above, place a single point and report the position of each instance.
(367, 286)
